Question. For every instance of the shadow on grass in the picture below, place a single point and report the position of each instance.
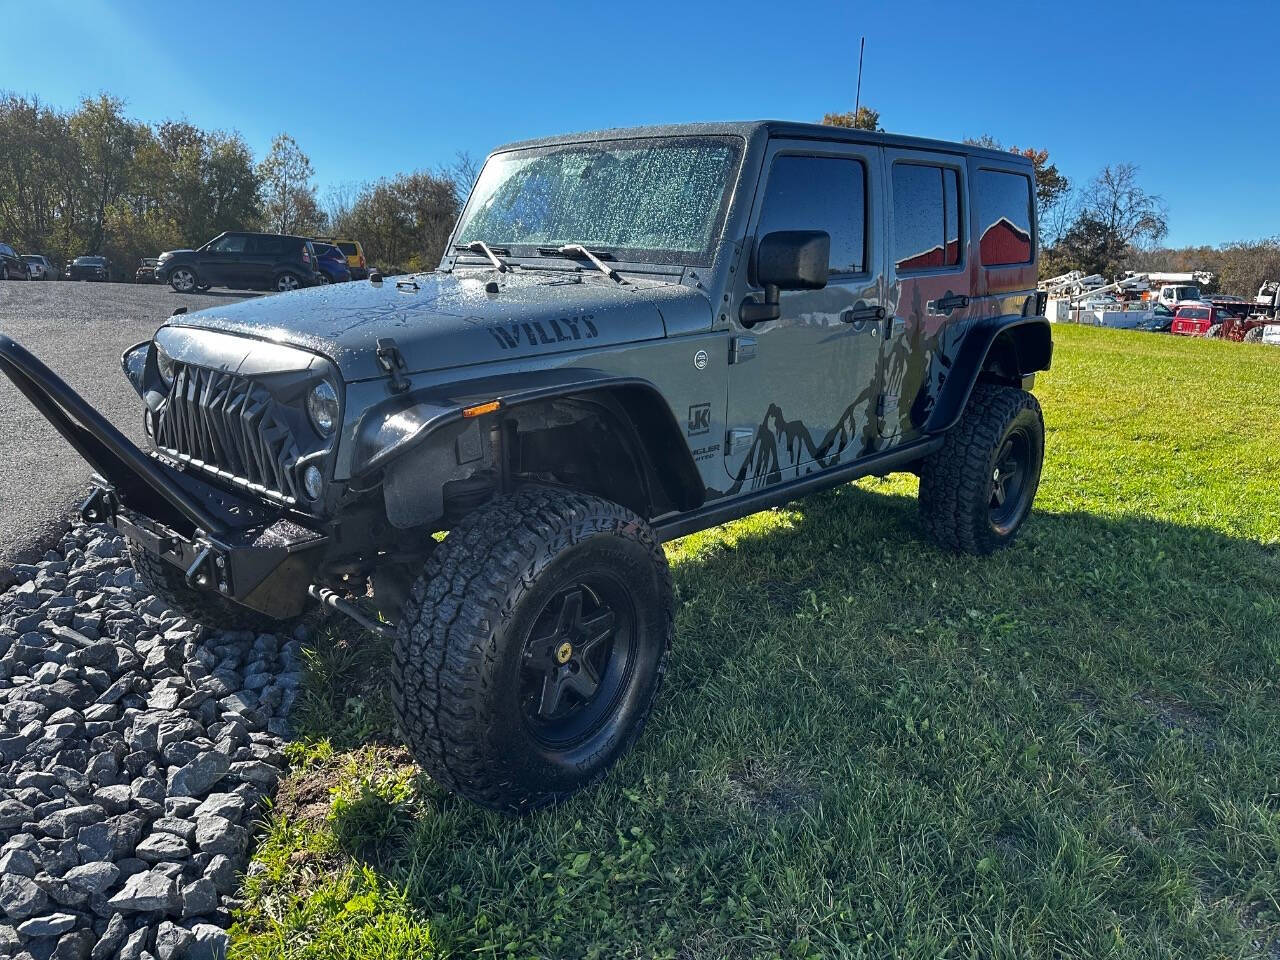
(821, 651)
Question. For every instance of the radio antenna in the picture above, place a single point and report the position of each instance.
(857, 99)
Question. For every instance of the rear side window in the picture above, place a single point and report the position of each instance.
(268, 246)
(7, 250)
(1003, 201)
(348, 248)
(820, 193)
(926, 217)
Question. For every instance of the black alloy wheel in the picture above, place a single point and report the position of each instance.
(1011, 487)
(579, 655)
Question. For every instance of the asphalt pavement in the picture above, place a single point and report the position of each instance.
(79, 330)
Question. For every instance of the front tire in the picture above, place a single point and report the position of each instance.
(531, 649)
(183, 280)
(165, 582)
(1253, 335)
(1214, 332)
(977, 489)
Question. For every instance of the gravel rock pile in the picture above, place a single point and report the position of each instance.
(135, 748)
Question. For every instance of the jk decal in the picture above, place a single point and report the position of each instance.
(699, 419)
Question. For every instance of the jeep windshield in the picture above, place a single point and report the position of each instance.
(642, 201)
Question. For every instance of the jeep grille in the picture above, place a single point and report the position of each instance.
(231, 427)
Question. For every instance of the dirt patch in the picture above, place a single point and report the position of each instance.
(1258, 919)
(1086, 699)
(769, 788)
(1172, 714)
(307, 796)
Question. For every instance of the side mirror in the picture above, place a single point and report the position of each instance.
(787, 260)
(794, 259)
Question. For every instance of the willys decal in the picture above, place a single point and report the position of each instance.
(539, 333)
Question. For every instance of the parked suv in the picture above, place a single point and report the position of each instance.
(12, 266)
(242, 261)
(331, 263)
(1196, 319)
(353, 251)
(90, 268)
(631, 336)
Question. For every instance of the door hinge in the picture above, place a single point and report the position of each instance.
(742, 349)
(887, 405)
(392, 361)
(737, 438)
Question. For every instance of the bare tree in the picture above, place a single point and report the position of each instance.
(338, 200)
(1130, 216)
(462, 173)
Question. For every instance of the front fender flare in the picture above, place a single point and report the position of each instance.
(399, 425)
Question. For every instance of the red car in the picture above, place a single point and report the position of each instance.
(1195, 319)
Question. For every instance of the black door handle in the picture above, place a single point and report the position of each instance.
(862, 314)
(957, 301)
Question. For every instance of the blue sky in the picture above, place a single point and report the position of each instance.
(370, 89)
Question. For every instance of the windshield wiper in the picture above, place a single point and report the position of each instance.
(578, 250)
(482, 248)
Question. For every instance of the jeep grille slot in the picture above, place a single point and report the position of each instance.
(231, 427)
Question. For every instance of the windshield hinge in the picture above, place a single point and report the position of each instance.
(391, 360)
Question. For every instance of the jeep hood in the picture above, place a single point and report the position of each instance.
(445, 320)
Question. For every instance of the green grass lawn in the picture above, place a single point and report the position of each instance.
(869, 748)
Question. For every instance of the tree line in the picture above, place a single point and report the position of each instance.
(1111, 224)
(93, 181)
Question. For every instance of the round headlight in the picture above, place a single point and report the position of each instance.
(322, 405)
(165, 364)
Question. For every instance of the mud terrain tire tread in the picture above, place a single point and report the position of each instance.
(1253, 335)
(954, 480)
(165, 582)
(448, 651)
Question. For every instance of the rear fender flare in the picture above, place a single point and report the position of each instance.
(1007, 348)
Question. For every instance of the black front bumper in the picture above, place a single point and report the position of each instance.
(241, 548)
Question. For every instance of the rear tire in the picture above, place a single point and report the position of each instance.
(977, 489)
(288, 281)
(531, 649)
(165, 582)
(1214, 332)
(1253, 335)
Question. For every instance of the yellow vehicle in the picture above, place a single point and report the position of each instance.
(354, 254)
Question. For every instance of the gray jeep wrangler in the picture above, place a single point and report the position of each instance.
(632, 335)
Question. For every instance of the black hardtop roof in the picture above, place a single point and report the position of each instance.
(748, 129)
